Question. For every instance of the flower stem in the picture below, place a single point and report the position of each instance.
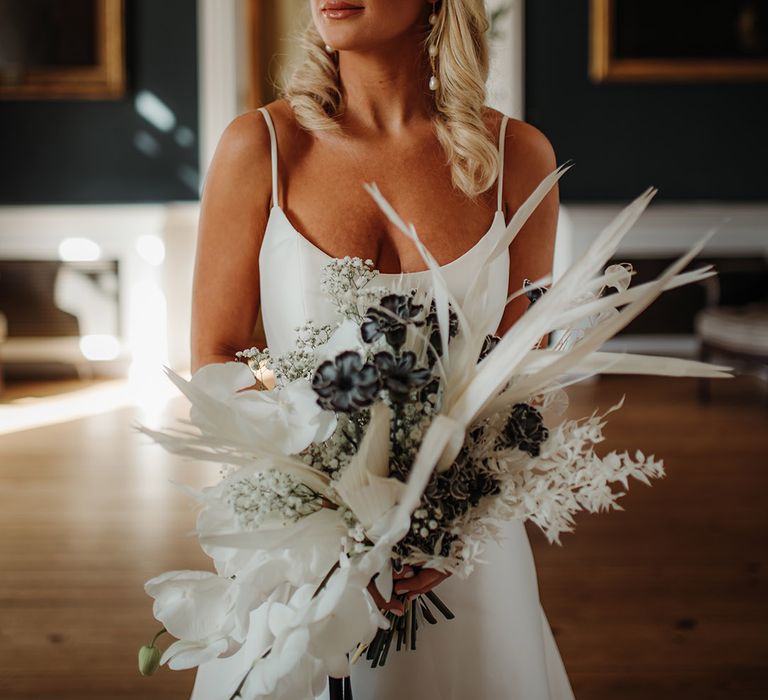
(326, 579)
(238, 690)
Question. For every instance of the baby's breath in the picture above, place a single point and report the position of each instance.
(343, 280)
(270, 494)
(293, 365)
(255, 358)
(311, 335)
(333, 455)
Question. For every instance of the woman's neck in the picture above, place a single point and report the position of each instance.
(385, 89)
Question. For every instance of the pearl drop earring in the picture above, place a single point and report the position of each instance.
(432, 51)
(329, 49)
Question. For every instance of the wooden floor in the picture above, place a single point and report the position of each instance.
(664, 600)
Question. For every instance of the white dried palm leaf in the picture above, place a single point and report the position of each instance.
(323, 528)
(493, 373)
(223, 453)
(591, 342)
(222, 438)
(365, 486)
(626, 363)
(472, 390)
(591, 308)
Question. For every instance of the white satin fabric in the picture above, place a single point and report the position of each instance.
(499, 646)
(290, 269)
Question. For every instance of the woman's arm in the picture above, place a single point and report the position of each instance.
(529, 158)
(233, 215)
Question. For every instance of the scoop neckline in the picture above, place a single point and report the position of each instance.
(497, 214)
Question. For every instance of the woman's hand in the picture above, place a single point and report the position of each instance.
(410, 582)
(258, 386)
(422, 582)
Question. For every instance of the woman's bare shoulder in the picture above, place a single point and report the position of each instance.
(521, 136)
(528, 154)
(528, 157)
(279, 110)
(246, 137)
(289, 131)
(242, 161)
(524, 139)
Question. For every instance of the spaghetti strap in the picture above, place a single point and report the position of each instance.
(500, 178)
(273, 146)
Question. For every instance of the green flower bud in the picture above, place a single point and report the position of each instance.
(149, 659)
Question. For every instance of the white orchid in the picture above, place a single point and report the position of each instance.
(217, 515)
(196, 607)
(289, 417)
(213, 616)
(289, 671)
(283, 420)
(314, 632)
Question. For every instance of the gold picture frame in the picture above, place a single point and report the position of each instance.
(103, 79)
(606, 66)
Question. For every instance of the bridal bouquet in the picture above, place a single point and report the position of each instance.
(402, 435)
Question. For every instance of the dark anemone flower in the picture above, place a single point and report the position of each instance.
(476, 433)
(469, 486)
(489, 343)
(433, 326)
(534, 294)
(432, 387)
(448, 495)
(525, 429)
(390, 320)
(400, 375)
(345, 383)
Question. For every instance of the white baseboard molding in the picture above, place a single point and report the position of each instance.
(669, 229)
(682, 345)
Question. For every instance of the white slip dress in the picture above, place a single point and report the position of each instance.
(499, 646)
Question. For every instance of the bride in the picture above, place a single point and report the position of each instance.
(391, 92)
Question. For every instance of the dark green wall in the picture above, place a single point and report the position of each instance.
(85, 152)
(691, 141)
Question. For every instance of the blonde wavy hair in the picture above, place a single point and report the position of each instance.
(316, 96)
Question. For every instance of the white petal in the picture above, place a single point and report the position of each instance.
(346, 336)
(221, 380)
(182, 655)
(193, 605)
